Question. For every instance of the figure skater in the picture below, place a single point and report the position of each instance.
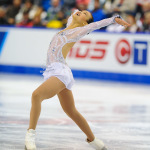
(58, 76)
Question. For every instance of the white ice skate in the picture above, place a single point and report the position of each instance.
(97, 144)
(30, 140)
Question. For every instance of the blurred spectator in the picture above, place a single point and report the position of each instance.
(146, 25)
(46, 4)
(146, 6)
(122, 6)
(107, 6)
(82, 4)
(26, 22)
(55, 15)
(30, 13)
(37, 21)
(98, 13)
(53, 10)
(3, 20)
(131, 20)
(27, 6)
(143, 8)
(62, 18)
(69, 4)
(37, 2)
(5, 2)
(41, 12)
(13, 11)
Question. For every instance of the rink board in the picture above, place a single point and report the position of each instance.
(99, 55)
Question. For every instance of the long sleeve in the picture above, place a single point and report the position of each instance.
(75, 34)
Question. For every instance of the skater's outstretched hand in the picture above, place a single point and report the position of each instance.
(122, 22)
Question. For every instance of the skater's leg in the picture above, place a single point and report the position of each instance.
(48, 89)
(67, 102)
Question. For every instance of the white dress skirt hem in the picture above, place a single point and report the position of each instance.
(62, 72)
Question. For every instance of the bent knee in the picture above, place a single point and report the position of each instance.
(36, 95)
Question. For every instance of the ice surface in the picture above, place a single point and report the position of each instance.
(118, 113)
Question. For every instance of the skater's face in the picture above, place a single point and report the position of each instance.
(82, 17)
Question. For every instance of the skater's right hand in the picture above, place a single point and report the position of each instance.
(122, 22)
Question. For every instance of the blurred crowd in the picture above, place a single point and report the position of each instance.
(54, 13)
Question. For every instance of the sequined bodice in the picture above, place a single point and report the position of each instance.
(54, 53)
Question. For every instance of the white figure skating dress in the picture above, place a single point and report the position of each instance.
(56, 64)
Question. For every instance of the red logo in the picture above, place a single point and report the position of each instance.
(89, 49)
(123, 51)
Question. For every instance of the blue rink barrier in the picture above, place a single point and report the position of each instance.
(120, 77)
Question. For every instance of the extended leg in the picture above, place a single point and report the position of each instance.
(67, 102)
(48, 89)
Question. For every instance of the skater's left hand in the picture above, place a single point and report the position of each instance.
(122, 22)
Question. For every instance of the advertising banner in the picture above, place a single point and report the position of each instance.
(124, 53)
(116, 53)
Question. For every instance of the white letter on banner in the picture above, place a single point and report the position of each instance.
(141, 48)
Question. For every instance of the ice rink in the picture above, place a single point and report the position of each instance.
(118, 113)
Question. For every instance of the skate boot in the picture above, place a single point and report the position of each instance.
(97, 144)
(30, 140)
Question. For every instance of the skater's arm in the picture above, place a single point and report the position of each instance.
(105, 22)
(77, 33)
(99, 24)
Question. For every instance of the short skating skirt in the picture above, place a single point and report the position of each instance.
(62, 72)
